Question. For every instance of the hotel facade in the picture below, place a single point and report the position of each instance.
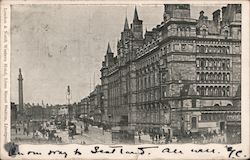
(182, 76)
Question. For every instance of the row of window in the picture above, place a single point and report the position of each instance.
(148, 96)
(149, 61)
(148, 81)
(221, 77)
(211, 63)
(151, 116)
(212, 49)
(213, 117)
(147, 69)
(221, 91)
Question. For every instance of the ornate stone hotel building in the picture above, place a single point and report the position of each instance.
(182, 76)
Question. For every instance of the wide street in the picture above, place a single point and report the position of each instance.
(94, 135)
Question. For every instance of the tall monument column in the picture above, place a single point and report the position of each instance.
(20, 91)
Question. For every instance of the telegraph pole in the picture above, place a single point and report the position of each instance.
(68, 98)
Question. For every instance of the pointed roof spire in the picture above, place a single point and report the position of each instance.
(126, 27)
(109, 49)
(135, 15)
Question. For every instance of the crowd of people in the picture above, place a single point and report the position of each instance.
(40, 132)
(161, 137)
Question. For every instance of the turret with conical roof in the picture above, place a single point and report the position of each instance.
(109, 56)
(137, 30)
(109, 49)
(135, 15)
(137, 27)
(126, 27)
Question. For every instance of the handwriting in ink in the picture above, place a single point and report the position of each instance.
(58, 152)
(141, 149)
(34, 153)
(77, 152)
(168, 150)
(121, 150)
(233, 152)
(98, 150)
(203, 150)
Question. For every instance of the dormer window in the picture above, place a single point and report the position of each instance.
(226, 33)
(204, 32)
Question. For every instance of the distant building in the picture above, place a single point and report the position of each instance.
(96, 104)
(85, 107)
(183, 76)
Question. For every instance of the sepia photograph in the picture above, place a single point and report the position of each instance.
(126, 74)
(134, 80)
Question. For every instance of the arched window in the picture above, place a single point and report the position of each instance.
(197, 48)
(215, 91)
(210, 63)
(202, 90)
(224, 77)
(228, 91)
(223, 65)
(214, 64)
(228, 64)
(202, 63)
(215, 76)
(206, 49)
(202, 76)
(206, 76)
(216, 105)
(206, 63)
(206, 91)
(211, 78)
(219, 63)
(227, 50)
(210, 93)
(204, 32)
(198, 62)
(219, 77)
(229, 105)
(220, 91)
(228, 77)
(224, 91)
(198, 90)
(198, 76)
(216, 49)
(226, 33)
(219, 49)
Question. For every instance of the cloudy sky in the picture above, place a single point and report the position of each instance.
(60, 45)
